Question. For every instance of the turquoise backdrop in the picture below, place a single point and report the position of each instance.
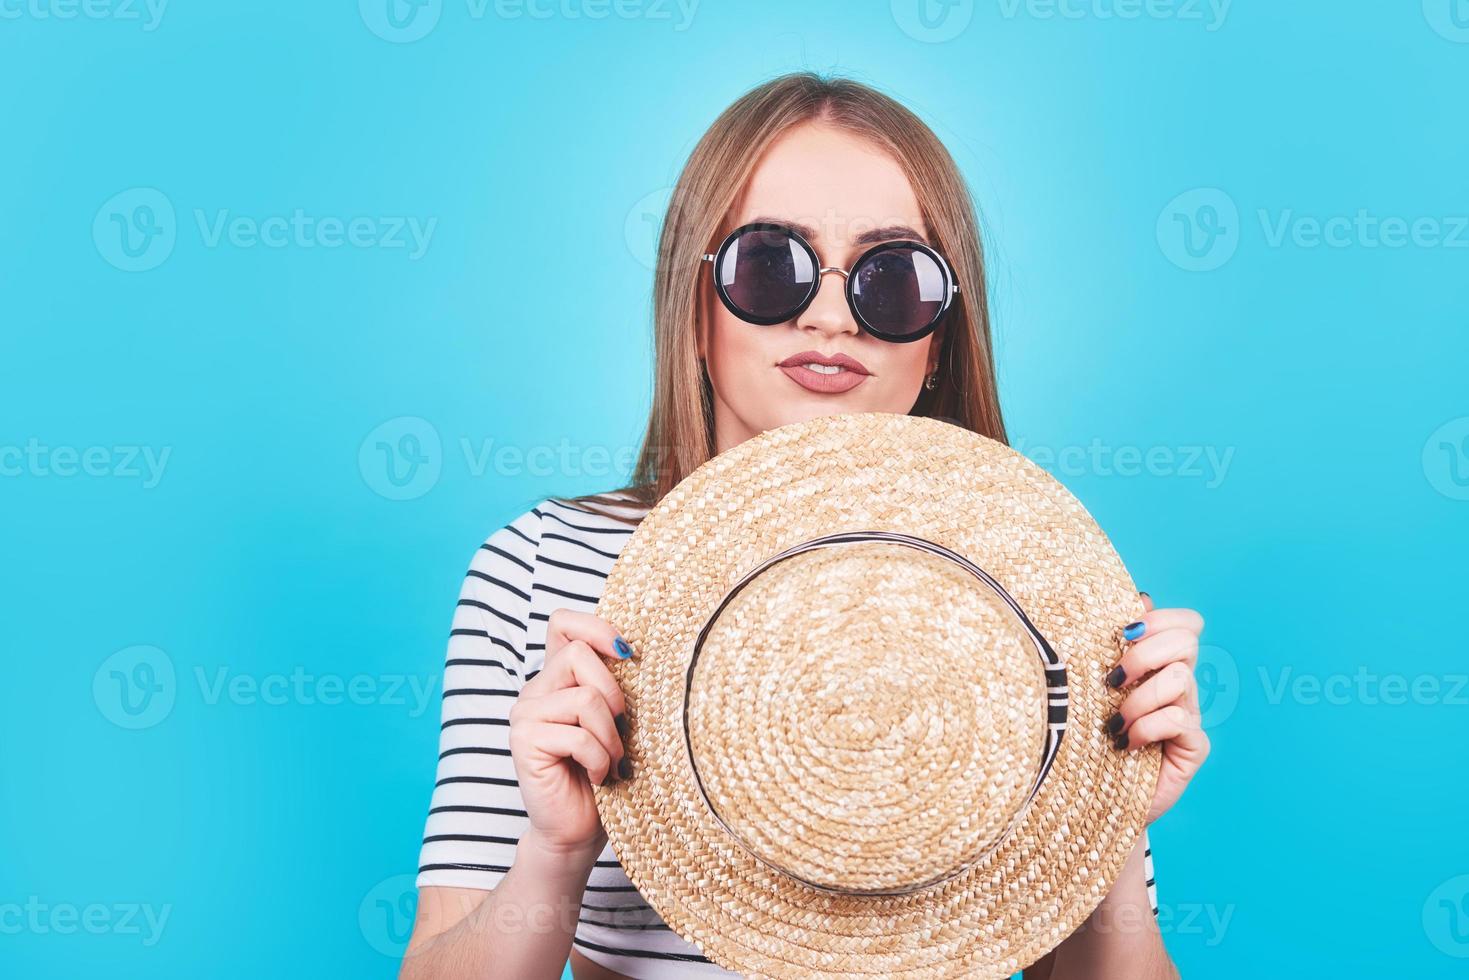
(299, 301)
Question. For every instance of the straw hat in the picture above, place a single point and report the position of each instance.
(868, 704)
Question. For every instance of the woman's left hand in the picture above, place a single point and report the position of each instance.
(1163, 707)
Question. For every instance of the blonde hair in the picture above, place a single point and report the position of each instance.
(680, 430)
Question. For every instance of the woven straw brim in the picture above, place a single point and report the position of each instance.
(915, 476)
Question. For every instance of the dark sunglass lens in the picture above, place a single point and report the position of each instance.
(899, 291)
(766, 273)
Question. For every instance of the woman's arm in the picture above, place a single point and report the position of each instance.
(513, 832)
(521, 929)
(1119, 939)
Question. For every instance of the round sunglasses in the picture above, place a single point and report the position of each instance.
(897, 291)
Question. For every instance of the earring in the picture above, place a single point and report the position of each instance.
(932, 381)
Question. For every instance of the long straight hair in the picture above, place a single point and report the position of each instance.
(680, 430)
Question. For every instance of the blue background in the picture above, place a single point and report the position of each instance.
(332, 418)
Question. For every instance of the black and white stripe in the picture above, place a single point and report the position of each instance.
(550, 557)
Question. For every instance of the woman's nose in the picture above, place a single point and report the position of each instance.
(829, 312)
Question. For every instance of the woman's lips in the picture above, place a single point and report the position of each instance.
(826, 384)
(826, 374)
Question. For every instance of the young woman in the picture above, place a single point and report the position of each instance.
(806, 182)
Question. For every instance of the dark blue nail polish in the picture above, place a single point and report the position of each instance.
(620, 720)
(624, 768)
(623, 650)
(1132, 631)
(1144, 595)
(1114, 724)
(1120, 742)
(1116, 677)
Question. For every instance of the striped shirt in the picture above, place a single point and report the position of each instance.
(552, 556)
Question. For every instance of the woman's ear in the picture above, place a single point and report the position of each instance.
(935, 349)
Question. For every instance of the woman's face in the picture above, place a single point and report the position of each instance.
(844, 196)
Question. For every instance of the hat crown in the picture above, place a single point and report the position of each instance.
(850, 737)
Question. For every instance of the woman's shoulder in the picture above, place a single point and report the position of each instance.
(561, 534)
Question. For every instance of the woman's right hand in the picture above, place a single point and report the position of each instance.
(566, 731)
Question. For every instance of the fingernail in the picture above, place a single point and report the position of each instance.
(1120, 742)
(620, 720)
(623, 650)
(1132, 631)
(1116, 677)
(1114, 724)
(624, 768)
(1144, 595)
